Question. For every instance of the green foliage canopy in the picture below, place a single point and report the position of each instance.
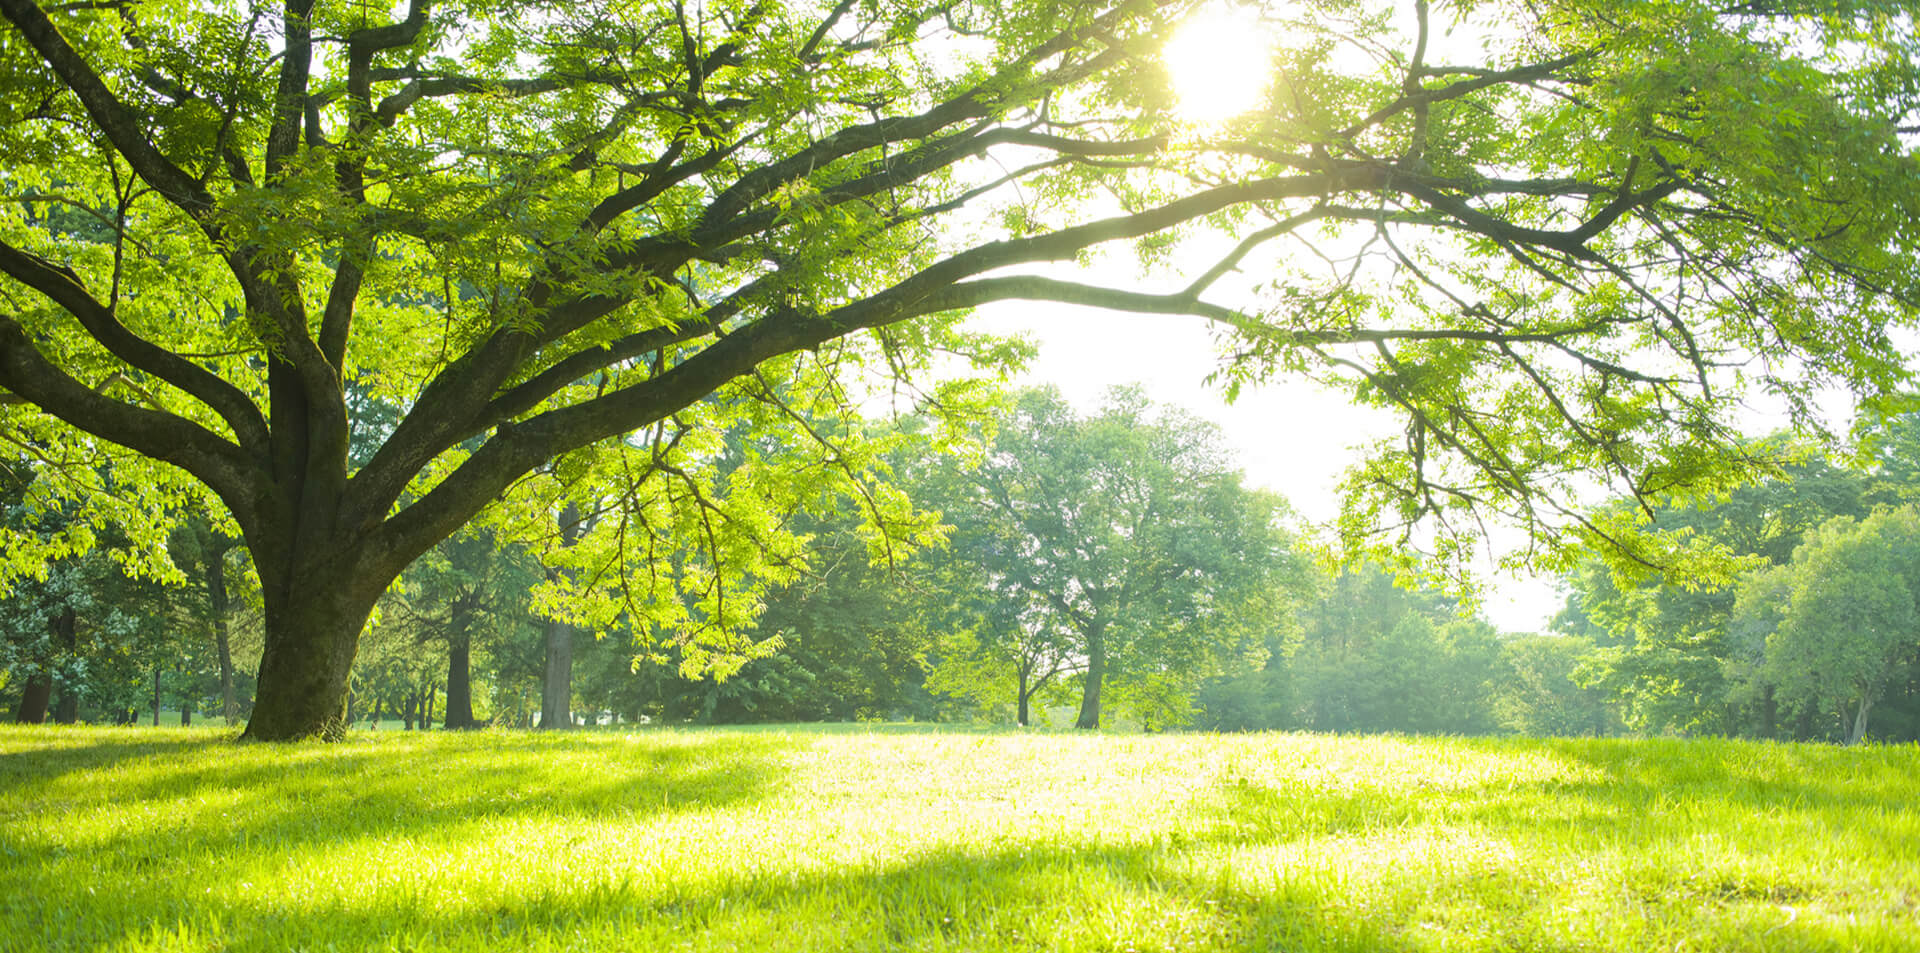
(1119, 546)
(1845, 613)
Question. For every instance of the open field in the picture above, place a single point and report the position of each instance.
(158, 839)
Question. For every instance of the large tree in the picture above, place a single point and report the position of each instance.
(599, 233)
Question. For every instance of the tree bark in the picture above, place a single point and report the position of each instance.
(310, 642)
(1860, 720)
(556, 680)
(67, 712)
(1022, 716)
(156, 696)
(66, 632)
(460, 671)
(186, 712)
(1096, 673)
(33, 702)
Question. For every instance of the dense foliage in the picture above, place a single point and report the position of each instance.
(1810, 631)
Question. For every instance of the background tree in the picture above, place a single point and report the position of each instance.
(469, 593)
(607, 235)
(1665, 644)
(556, 670)
(71, 633)
(1126, 532)
(204, 553)
(1850, 620)
(1538, 693)
(853, 636)
(1374, 656)
(1366, 655)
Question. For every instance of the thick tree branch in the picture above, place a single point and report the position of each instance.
(453, 402)
(63, 287)
(230, 471)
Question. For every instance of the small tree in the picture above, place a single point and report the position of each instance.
(1121, 544)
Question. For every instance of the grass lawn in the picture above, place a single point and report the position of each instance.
(657, 840)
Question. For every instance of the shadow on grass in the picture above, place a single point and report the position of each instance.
(44, 753)
(999, 894)
(220, 804)
(1760, 775)
(1089, 897)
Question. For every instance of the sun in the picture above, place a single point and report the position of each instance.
(1220, 62)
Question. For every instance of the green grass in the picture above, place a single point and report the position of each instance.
(158, 839)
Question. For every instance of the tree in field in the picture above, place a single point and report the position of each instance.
(1373, 656)
(1121, 541)
(579, 244)
(1008, 653)
(1848, 615)
(1361, 653)
(556, 672)
(854, 639)
(1538, 695)
(73, 632)
(1691, 654)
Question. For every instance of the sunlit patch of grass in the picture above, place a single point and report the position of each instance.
(789, 839)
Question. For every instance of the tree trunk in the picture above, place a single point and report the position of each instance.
(1860, 720)
(1023, 717)
(459, 672)
(1096, 673)
(186, 712)
(556, 681)
(67, 711)
(33, 702)
(66, 632)
(216, 573)
(311, 638)
(156, 696)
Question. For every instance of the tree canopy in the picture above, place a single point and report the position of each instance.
(1119, 546)
(627, 255)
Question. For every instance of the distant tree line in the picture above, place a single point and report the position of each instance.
(1090, 568)
(1806, 624)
